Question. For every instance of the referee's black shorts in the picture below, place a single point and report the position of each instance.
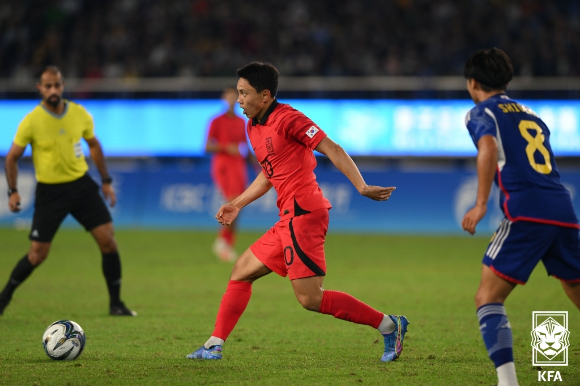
(54, 202)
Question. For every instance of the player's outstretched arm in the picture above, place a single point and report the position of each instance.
(228, 212)
(11, 168)
(99, 159)
(487, 153)
(346, 165)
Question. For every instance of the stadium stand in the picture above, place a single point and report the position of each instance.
(145, 38)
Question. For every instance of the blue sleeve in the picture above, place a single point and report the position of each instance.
(479, 124)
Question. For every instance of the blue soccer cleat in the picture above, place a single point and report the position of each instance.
(214, 352)
(394, 340)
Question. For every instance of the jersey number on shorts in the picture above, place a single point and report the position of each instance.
(536, 143)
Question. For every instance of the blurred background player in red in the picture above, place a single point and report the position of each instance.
(227, 142)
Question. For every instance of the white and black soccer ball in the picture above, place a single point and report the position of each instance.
(64, 340)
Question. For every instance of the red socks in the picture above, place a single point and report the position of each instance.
(338, 304)
(233, 304)
(228, 235)
(343, 306)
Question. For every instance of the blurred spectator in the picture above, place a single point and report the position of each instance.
(146, 38)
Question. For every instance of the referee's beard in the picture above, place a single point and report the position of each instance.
(53, 100)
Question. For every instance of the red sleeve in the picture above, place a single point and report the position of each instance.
(303, 130)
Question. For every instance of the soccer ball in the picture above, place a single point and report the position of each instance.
(64, 340)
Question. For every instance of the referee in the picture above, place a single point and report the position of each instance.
(54, 130)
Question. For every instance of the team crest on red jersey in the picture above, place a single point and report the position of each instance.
(269, 145)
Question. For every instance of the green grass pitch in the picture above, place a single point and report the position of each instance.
(174, 282)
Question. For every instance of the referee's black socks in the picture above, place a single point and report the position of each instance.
(22, 270)
(112, 272)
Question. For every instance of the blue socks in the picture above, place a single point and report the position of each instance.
(496, 332)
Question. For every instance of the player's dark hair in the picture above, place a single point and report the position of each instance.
(52, 69)
(261, 76)
(492, 68)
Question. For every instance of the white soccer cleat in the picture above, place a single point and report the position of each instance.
(223, 251)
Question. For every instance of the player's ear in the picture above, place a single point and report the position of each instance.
(266, 95)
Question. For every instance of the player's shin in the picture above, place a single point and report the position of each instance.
(232, 307)
(344, 306)
(22, 270)
(497, 335)
(112, 272)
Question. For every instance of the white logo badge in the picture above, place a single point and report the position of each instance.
(550, 338)
(78, 149)
(312, 131)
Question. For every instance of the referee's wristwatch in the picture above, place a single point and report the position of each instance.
(11, 191)
(107, 180)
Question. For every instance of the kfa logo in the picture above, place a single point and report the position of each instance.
(550, 338)
(269, 146)
(549, 376)
(550, 342)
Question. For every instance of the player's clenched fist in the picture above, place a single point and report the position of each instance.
(14, 202)
(227, 213)
(473, 217)
(109, 194)
(377, 193)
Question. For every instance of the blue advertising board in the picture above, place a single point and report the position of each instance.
(183, 196)
(129, 128)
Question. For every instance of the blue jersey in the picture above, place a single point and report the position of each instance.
(526, 174)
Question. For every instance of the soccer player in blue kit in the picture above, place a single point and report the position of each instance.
(513, 148)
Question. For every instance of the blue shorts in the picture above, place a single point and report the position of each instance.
(517, 247)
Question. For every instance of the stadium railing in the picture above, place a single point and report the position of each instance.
(306, 83)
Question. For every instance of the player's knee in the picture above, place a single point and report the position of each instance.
(484, 297)
(241, 274)
(573, 292)
(108, 245)
(481, 298)
(36, 259)
(310, 302)
(37, 255)
(478, 300)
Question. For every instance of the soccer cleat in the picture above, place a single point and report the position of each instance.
(213, 352)
(394, 340)
(121, 310)
(233, 256)
(224, 251)
(3, 303)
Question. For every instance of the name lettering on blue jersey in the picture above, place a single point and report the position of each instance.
(516, 108)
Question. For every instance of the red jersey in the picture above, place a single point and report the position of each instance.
(283, 142)
(227, 129)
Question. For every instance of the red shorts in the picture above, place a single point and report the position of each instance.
(231, 180)
(295, 246)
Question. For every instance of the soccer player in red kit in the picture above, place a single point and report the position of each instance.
(227, 140)
(283, 140)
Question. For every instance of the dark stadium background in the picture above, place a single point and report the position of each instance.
(147, 50)
(406, 256)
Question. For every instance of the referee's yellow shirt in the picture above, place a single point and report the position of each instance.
(56, 142)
